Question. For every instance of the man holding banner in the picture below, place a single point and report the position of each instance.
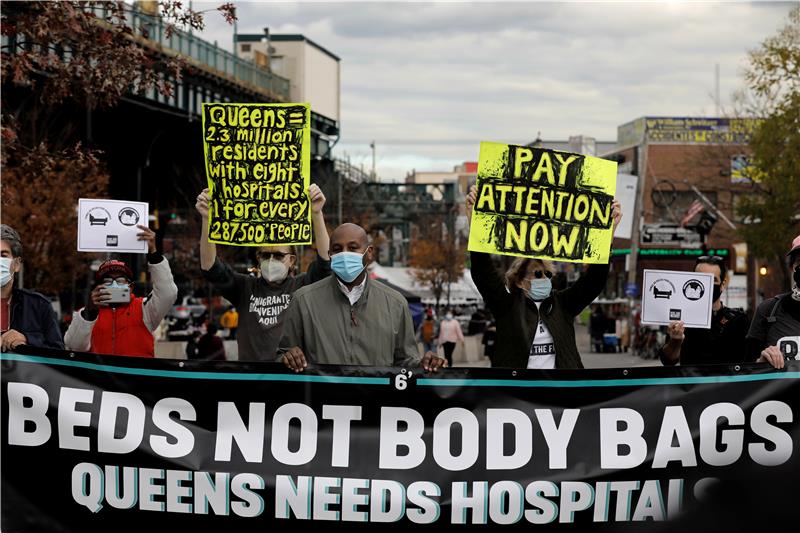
(26, 316)
(775, 331)
(262, 300)
(350, 319)
(539, 204)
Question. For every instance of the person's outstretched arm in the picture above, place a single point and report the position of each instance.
(485, 276)
(321, 237)
(158, 303)
(290, 347)
(593, 281)
(208, 250)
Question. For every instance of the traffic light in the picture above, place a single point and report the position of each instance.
(706, 222)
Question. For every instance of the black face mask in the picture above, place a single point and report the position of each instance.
(718, 291)
(796, 275)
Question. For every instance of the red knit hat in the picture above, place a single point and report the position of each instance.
(795, 245)
(112, 266)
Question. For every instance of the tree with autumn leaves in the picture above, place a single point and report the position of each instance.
(773, 92)
(437, 260)
(69, 53)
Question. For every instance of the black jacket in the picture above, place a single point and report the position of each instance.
(33, 316)
(516, 315)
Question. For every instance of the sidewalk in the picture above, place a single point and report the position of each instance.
(471, 354)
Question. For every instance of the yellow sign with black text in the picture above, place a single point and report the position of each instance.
(258, 168)
(543, 203)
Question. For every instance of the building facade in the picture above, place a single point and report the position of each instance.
(691, 176)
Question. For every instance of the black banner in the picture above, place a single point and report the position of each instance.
(95, 443)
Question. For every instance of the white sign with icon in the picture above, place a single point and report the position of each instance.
(670, 296)
(110, 226)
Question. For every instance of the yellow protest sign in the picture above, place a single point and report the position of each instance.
(258, 166)
(543, 203)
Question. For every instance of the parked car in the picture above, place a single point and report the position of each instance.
(185, 318)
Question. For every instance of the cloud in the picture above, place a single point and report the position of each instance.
(427, 82)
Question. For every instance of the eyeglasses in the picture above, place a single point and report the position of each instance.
(266, 256)
(712, 259)
(119, 281)
(539, 273)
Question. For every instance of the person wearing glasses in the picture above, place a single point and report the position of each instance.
(534, 322)
(262, 300)
(117, 322)
(724, 342)
(777, 317)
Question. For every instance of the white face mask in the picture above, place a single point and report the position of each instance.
(273, 270)
(5, 271)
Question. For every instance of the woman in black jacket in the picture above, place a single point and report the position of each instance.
(534, 322)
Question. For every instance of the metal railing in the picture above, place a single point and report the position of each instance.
(208, 54)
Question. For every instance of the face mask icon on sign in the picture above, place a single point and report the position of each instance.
(693, 290)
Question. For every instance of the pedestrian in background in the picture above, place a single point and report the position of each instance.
(230, 321)
(597, 327)
(427, 332)
(449, 335)
(210, 346)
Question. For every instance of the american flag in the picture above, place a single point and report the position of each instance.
(695, 209)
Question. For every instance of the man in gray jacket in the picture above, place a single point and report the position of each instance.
(349, 319)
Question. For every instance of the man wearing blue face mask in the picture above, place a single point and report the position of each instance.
(534, 322)
(350, 319)
(27, 318)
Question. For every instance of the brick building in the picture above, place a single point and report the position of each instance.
(680, 161)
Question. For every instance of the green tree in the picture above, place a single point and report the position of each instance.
(773, 92)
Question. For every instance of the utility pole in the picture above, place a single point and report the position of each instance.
(235, 38)
(638, 210)
(716, 88)
(339, 200)
(374, 176)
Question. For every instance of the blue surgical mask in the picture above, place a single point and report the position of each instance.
(5, 271)
(540, 289)
(347, 265)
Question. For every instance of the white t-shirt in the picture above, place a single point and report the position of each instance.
(543, 351)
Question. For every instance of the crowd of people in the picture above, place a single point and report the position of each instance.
(336, 314)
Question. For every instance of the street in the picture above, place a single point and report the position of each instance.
(590, 359)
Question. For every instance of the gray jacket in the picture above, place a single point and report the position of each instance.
(376, 331)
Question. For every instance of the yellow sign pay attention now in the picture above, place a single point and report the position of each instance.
(543, 203)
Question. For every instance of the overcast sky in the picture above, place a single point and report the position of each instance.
(429, 81)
